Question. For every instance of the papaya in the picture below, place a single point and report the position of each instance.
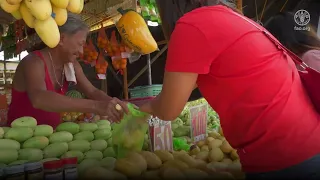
(41, 10)
(135, 32)
(9, 144)
(16, 15)
(84, 135)
(13, 2)
(39, 142)
(61, 15)
(99, 145)
(9, 8)
(8, 156)
(30, 154)
(60, 3)
(79, 145)
(27, 17)
(19, 134)
(93, 154)
(55, 150)
(75, 6)
(88, 127)
(43, 130)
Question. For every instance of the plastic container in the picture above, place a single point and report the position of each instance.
(145, 91)
(140, 101)
(15, 172)
(34, 171)
(53, 170)
(70, 171)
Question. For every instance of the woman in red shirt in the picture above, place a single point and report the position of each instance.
(255, 88)
(39, 84)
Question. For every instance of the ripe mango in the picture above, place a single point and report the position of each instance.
(60, 3)
(19, 134)
(84, 135)
(55, 150)
(38, 142)
(61, 15)
(102, 134)
(88, 127)
(8, 156)
(62, 136)
(48, 31)
(40, 9)
(24, 122)
(30, 154)
(70, 127)
(9, 8)
(93, 154)
(43, 130)
(27, 17)
(75, 6)
(79, 145)
(98, 145)
(78, 154)
(9, 144)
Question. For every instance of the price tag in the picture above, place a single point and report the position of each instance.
(101, 76)
(161, 134)
(199, 116)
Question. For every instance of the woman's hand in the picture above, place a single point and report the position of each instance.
(113, 109)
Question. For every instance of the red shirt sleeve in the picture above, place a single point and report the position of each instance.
(189, 50)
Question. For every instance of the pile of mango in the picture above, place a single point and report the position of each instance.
(25, 141)
(43, 15)
(160, 165)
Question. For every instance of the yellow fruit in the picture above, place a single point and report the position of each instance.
(40, 9)
(135, 33)
(138, 159)
(9, 8)
(60, 3)
(216, 155)
(127, 168)
(153, 161)
(164, 155)
(13, 2)
(61, 15)
(27, 17)
(203, 155)
(75, 6)
(226, 147)
(48, 32)
(17, 15)
(175, 164)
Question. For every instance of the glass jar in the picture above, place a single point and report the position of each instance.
(15, 172)
(53, 170)
(70, 171)
(34, 171)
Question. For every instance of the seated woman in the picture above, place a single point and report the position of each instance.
(39, 83)
(304, 43)
(264, 110)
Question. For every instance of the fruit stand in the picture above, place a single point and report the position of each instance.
(85, 145)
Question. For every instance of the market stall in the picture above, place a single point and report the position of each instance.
(87, 145)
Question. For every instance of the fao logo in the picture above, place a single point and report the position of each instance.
(302, 17)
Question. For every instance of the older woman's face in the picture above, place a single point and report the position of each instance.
(72, 45)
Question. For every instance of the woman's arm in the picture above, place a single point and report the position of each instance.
(176, 90)
(86, 87)
(49, 101)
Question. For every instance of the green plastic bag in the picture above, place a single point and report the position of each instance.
(129, 134)
(180, 144)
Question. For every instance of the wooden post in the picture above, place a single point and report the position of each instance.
(239, 5)
(125, 84)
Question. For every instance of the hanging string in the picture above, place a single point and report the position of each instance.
(284, 5)
(262, 12)
(255, 3)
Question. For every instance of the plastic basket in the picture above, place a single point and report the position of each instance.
(140, 101)
(145, 91)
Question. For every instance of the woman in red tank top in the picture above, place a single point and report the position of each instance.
(39, 84)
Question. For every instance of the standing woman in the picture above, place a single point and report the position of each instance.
(255, 88)
(39, 83)
(304, 43)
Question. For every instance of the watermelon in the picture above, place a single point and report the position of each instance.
(75, 94)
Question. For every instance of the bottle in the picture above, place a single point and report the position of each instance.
(53, 170)
(15, 172)
(70, 171)
(34, 171)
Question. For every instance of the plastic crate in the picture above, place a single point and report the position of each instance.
(145, 91)
(140, 101)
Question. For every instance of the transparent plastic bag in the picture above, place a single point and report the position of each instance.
(129, 134)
